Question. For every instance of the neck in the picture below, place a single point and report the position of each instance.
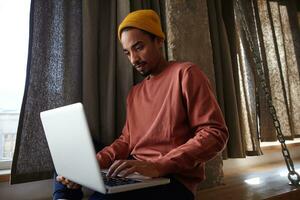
(161, 65)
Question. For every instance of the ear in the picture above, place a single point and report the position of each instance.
(159, 42)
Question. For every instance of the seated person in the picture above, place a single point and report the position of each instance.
(173, 123)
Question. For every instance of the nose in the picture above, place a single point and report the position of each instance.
(134, 58)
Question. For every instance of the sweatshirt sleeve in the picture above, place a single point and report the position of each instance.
(119, 149)
(208, 129)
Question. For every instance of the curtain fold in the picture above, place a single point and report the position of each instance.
(107, 73)
(247, 83)
(226, 74)
(275, 34)
(53, 79)
(104, 90)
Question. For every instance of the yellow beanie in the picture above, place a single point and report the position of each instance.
(147, 20)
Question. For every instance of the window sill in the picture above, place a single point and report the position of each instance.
(4, 175)
(268, 181)
(276, 145)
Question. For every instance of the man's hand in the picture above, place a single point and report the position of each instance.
(127, 167)
(68, 183)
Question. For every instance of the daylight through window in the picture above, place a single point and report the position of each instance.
(14, 23)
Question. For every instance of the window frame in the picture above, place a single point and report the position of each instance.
(5, 164)
(21, 21)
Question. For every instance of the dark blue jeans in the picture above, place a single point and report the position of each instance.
(174, 190)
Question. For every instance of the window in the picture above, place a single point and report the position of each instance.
(14, 23)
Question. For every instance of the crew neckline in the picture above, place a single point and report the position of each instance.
(170, 63)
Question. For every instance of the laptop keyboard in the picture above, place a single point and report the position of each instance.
(116, 181)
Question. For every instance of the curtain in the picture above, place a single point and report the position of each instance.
(223, 39)
(275, 33)
(280, 44)
(74, 55)
(107, 76)
(274, 29)
(53, 79)
(107, 73)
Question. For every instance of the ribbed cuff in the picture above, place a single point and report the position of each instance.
(165, 166)
(103, 160)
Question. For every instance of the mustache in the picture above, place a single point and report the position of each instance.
(138, 63)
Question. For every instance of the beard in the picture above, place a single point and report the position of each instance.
(140, 67)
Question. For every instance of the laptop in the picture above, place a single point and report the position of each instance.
(74, 156)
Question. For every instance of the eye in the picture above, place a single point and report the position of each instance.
(139, 47)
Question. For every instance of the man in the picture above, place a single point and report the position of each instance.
(173, 123)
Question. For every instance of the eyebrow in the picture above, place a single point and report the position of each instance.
(134, 45)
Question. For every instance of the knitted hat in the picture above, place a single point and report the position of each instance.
(147, 20)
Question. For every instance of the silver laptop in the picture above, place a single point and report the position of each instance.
(74, 156)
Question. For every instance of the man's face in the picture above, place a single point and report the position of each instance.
(142, 51)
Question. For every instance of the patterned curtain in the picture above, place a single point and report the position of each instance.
(274, 29)
(53, 79)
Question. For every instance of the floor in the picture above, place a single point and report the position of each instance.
(264, 182)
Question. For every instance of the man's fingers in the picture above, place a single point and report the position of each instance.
(67, 182)
(76, 186)
(59, 178)
(62, 180)
(113, 167)
(128, 171)
(124, 165)
(127, 167)
(70, 184)
(73, 186)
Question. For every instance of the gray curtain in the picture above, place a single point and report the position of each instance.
(223, 39)
(107, 76)
(107, 73)
(53, 79)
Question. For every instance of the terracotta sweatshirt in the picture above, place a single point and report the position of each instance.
(173, 120)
